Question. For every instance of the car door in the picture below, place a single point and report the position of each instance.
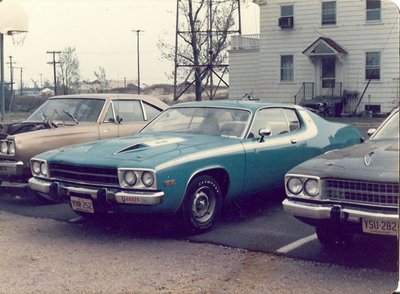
(268, 159)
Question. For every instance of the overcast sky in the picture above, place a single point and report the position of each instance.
(101, 32)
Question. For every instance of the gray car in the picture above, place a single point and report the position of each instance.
(352, 190)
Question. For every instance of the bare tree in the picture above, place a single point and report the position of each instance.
(204, 26)
(69, 69)
(102, 78)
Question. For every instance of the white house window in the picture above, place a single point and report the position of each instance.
(286, 68)
(329, 13)
(373, 10)
(286, 10)
(372, 65)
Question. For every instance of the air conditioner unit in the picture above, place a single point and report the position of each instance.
(286, 22)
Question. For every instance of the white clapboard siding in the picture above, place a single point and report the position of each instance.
(351, 32)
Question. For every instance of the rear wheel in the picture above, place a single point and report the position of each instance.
(333, 236)
(202, 204)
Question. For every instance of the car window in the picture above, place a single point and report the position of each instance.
(273, 119)
(390, 130)
(128, 110)
(109, 115)
(150, 111)
(202, 120)
(69, 109)
(292, 119)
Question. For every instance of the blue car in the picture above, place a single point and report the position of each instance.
(190, 160)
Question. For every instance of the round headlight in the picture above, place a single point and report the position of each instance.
(311, 187)
(36, 167)
(148, 179)
(3, 147)
(130, 178)
(43, 169)
(294, 185)
(11, 148)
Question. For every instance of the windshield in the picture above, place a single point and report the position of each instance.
(201, 120)
(68, 109)
(390, 130)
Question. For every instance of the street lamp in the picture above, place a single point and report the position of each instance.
(13, 21)
(138, 58)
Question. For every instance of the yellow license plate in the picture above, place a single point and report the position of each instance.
(82, 204)
(379, 227)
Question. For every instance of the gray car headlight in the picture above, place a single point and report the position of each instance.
(35, 168)
(39, 168)
(3, 147)
(130, 178)
(311, 187)
(43, 169)
(11, 148)
(148, 179)
(294, 185)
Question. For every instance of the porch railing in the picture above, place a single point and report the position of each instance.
(245, 41)
(305, 92)
(332, 90)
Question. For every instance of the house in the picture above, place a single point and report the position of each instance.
(344, 53)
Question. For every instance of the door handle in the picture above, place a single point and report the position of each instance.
(293, 141)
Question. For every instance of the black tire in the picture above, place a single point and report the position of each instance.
(202, 204)
(331, 236)
(329, 112)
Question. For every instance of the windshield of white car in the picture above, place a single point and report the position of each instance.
(390, 130)
(68, 110)
(202, 120)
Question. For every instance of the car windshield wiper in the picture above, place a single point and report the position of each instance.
(44, 116)
(71, 116)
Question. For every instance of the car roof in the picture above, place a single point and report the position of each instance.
(247, 104)
(115, 96)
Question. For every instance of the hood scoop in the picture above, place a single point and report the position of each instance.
(151, 144)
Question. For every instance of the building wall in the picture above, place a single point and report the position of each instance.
(243, 72)
(351, 32)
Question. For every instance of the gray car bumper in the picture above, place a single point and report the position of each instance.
(11, 168)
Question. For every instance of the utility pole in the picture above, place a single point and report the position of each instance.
(20, 77)
(138, 57)
(54, 68)
(11, 81)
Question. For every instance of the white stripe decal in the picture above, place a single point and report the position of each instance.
(296, 244)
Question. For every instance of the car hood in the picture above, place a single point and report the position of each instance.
(371, 161)
(148, 149)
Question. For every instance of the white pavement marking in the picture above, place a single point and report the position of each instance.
(296, 244)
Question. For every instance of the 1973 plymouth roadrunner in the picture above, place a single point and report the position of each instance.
(352, 190)
(191, 159)
(71, 119)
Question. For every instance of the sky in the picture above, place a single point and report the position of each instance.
(101, 32)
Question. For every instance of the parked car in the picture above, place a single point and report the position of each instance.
(352, 190)
(191, 159)
(71, 119)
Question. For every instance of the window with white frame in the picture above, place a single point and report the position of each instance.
(373, 12)
(287, 68)
(286, 10)
(373, 65)
(328, 13)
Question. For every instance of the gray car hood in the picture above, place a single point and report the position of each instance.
(374, 160)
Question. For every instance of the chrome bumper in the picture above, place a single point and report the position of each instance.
(57, 191)
(11, 168)
(323, 212)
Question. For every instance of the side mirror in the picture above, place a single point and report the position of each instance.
(119, 119)
(370, 132)
(264, 133)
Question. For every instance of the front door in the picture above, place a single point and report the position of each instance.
(328, 73)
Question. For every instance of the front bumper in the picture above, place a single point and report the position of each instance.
(58, 191)
(9, 168)
(325, 212)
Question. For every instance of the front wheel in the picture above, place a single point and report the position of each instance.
(202, 204)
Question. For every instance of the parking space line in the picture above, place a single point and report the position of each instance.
(287, 248)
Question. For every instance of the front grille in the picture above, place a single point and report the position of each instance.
(382, 194)
(84, 174)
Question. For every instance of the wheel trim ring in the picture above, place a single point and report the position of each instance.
(203, 205)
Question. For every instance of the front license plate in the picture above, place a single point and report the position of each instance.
(82, 204)
(379, 227)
